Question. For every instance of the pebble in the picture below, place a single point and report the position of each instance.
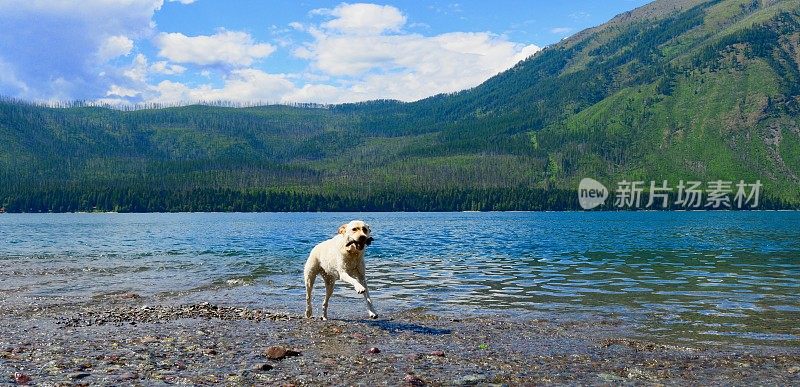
(161, 313)
(359, 336)
(149, 339)
(79, 375)
(210, 351)
(111, 358)
(413, 380)
(243, 348)
(84, 366)
(609, 377)
(469, 379)
(636, 373)
(277, 352)
(21, 378)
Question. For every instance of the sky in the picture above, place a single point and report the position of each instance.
(123, 52)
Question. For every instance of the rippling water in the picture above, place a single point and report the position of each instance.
(687, 275)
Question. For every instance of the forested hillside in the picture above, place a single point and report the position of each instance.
(674, 90)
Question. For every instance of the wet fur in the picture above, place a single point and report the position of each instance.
(341, 257)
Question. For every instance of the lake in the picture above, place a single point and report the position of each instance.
(685, 276)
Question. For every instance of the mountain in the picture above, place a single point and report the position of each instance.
(675, 90)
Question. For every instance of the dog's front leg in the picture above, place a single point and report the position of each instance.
(370, 309)
(360, 289)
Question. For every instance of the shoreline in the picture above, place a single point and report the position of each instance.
(128, 339)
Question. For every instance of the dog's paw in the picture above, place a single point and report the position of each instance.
(324, 318)
(373, 315)
(308, 313)
(361, 290)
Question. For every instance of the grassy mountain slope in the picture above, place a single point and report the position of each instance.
(726, 106)
(702, 90)
(674, 90)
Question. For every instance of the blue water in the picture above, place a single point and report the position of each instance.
(686, 275)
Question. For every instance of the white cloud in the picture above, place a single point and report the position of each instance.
(115, 46)
(182, 1)
(361, 54)
(137, 72)
(362, 18)
(120, 91)
(560, 30)
(9, 80)
(166, 68)
(243, 85)
(223, 48)
(61, 49)
(316, 93)
(386, 64)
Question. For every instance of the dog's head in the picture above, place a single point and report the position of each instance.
(357, 235)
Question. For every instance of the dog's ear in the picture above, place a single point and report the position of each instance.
(342, 229)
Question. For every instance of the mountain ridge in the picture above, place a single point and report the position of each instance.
(671, 90)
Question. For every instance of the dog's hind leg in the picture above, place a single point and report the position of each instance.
(329, 281)
(309, 275)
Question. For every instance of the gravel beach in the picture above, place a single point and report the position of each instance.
(131, 340)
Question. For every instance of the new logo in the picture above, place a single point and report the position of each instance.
(591, 193)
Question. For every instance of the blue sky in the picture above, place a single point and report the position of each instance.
(179, 51)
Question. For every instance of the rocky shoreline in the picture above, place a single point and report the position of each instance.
(130, 340)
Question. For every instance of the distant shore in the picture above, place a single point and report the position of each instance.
(128, 339)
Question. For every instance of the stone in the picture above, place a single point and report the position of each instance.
(21, 378)
(413, 380)
(469, 379)
(149, 339)
(412, 356)
(277, 352)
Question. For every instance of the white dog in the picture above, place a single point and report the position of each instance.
(341, 257)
